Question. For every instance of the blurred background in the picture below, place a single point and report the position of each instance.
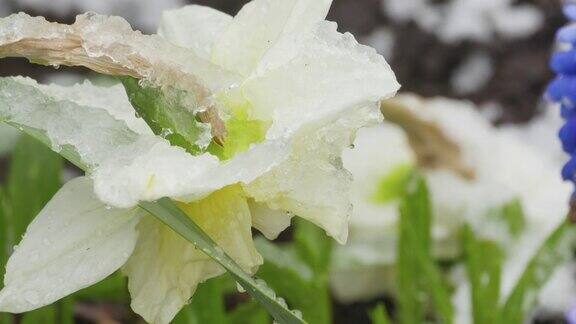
(493, 53)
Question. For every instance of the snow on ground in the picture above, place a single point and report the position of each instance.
(473, 74)
(458, 20)
(508, 164)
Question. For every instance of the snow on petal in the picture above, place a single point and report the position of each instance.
(195, 27)
(260, 25)
(90, 130)
(74, 242)
(312, 183)
(110, 98)
(108, 45)
(151, 169)
(331, 74)
(127, 167)
(176, 266)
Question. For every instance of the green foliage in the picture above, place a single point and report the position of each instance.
(513, 213)
(248, 313)
(379, 315)
(4, 245)
(35, 176)
(207, 305)
(313, 246)
(167, 212)
(33, 179)
(418, 276)
(295, 280)
(168, 113)
(113, 288)
(393, 184)
(5, 232)
(483, 265)
(554, 251)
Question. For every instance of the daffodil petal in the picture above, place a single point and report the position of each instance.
(330, 73)
(73, 243)
(195, 27)
(111, 98)
(109, 45)
(260, 25)
(312, 183)
(268, 221)
(149, 170)
(175, 266)
(127, 167)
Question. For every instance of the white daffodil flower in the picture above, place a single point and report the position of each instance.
(504, 167)
(277, 73)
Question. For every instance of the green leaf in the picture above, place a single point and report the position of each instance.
(313, 246)
(514, 215)
(418, 276)
(65, 311)
(483, 265)
(113, 288)
(168, 112)
(554, 251)
(379, 315)
(393, 184)
(44, 315)
(294, 280)
(167, 212)
(34, 177)
(207, 305)
(248, 313)
(68, 152)
(6, 241)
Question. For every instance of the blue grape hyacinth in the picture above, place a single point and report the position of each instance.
(562, 89)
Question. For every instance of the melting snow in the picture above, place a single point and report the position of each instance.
(473, 74)
(458, 20)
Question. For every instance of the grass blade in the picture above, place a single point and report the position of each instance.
(294, 280)
(5, 245)
(248, 313)
(34, 177)
(379, 315)
(313, 246)
(483, 266)
(418, 274)
(553, 252)
(167, 212)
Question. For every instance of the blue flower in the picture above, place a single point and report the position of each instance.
(562, 89)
